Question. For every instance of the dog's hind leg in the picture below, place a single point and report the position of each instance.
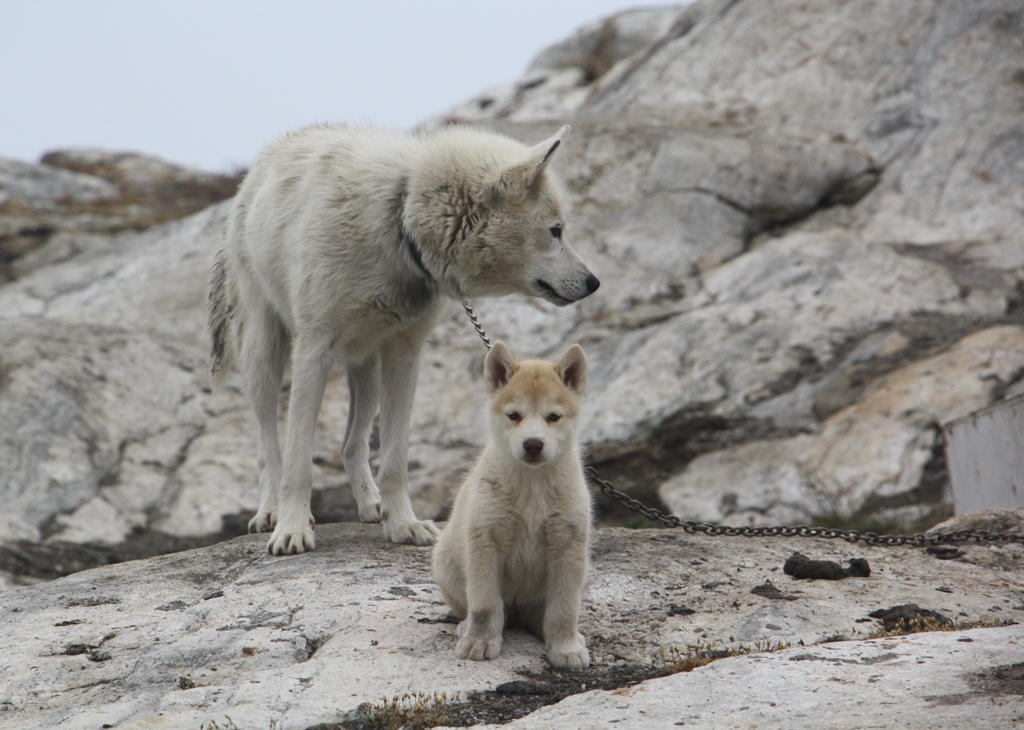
(400, 357)
(364, 397)
(311, 361)
(264, 352)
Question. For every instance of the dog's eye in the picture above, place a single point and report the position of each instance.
(552, 417)
(556, 231)
(514, 416)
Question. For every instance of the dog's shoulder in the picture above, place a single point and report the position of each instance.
(336, 149)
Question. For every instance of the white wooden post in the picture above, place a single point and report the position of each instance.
(985, 457)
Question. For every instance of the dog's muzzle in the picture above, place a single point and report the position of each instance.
(546, 290)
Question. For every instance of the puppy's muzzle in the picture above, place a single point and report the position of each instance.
(534, 449)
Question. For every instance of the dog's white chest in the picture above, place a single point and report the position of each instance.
(525, 565)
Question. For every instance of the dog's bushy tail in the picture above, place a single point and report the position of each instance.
(219, 310)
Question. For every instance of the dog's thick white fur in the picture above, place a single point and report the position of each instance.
(339, 244)
(515, 549)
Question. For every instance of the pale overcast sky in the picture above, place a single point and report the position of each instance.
(206, 82)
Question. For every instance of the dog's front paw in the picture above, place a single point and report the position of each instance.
(263, 521)
(367, 500)
(412, 532)
(292, 539)
(370, 512)
(478, 648)
(569, 655)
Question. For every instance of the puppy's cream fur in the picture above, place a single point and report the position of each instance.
(516, 547)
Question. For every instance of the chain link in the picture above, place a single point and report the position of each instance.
(690, 527)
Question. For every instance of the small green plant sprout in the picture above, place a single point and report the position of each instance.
(410, 711)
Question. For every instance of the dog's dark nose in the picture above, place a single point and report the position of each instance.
(533, 447)
(592, 284)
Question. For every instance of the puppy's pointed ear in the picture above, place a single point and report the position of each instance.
(523, 174)
(498, 367)
(572, 369)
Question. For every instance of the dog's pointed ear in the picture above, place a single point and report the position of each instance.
(541, 154)
(525, 173)
(572, 369)
(498, 367)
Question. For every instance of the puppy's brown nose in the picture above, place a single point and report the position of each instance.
(533, 447)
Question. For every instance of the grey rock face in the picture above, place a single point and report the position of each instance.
(43, 187)
(598, 46)
(557, 80)
(74, 200)
(137, 174)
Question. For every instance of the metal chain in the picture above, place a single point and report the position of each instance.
(706, 528)
(868, 538)
(476, 323)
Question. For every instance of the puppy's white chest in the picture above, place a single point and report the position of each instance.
(525, 565)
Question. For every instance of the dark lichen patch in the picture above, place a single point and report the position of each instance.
(909, 618)
(499, 707)
(999, 681)
(909, 615)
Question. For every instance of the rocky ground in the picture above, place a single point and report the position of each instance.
(190, 639)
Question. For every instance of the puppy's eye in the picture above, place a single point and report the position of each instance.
(514, 416)
(552, 417)
(556, 231)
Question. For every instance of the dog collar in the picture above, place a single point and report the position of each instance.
(417, 256)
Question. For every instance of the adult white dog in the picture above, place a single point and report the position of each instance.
(340, 243)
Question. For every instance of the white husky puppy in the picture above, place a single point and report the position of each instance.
(515, 548)
(339, 244)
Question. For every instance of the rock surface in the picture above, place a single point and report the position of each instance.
(186, 640)
(922, 681)
(807, 223)
(1009, 521)
(74, 200)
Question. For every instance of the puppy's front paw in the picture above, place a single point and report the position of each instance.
(412, 532)
(478, 648)
(292, 539)
(570, 655)
(263, 521)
